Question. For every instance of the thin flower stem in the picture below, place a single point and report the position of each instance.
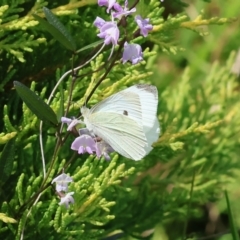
(107, 71)
(134, 4)
(111, 53)
(29, 211)
(69, 98)
(71, 159)
(41, 149)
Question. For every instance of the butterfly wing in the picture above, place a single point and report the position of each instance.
(148, 96)
(138, 102)
(123, 134)
(152, 135)
(127, 120)
(121, 103)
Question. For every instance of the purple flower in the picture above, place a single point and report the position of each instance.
(107, 3)
(67, 199)
(132, 52)
(108, 30)
(84, 143)
(103, 149)
(62, 182)
(144, 25)
(70, 122)
(66, 120)
(99, 22)
(122, 11)
(84, 131)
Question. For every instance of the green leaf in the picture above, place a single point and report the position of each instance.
(6, 160)
(56, 29)
(35, 104)
(90, 46)
(233, 226)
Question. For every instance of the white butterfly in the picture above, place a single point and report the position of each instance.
(127, 120)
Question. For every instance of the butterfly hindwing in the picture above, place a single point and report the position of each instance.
(123, 134)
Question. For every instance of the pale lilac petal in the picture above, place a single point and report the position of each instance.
(62, 182)
(73, 124)
(106, 156)
(144, 25)
(81, 150)
(84, 131)
(83, 144)
(117, 7)
(70, 122)
(110, 32)
(77, 143)
(62, 177)
(132, 52)
(99, 22)
(122, 11)
(66, 120)
(103, 3)
(61, 187)
(110, 5)
(103, 149)
(89, 150)
(67, 199)
(107, 3)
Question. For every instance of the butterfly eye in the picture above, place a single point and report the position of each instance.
(125, 112)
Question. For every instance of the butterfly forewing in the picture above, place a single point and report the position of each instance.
(148, 96)
(152, 135)
(122, 103)
(138, 102)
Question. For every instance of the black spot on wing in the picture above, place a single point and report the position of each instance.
(125, 112)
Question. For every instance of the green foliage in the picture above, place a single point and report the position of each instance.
(56, 28)
(6, 219)
(35, 104)
(195, 159)
(6, 160)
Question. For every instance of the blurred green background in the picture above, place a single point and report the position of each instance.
(199, 54)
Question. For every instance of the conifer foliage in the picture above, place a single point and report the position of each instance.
(60, 180)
